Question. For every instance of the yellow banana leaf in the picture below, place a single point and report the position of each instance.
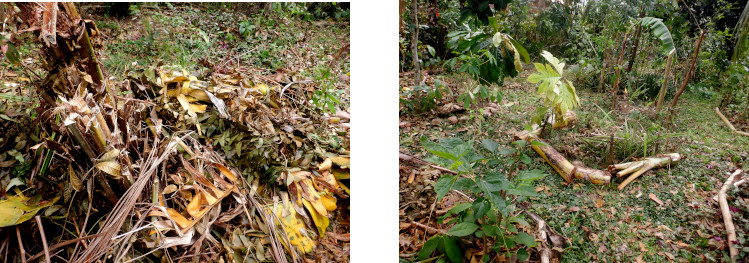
(14, 210)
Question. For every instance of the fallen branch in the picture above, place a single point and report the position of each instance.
(727, 220)
(429, 228)
(736, 184)
(546, 235)
(560, 164)
(407, 157)
(640, 167)
(62, 244)
(44, 238)
(728, 123)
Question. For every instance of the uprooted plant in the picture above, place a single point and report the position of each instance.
(490, 224)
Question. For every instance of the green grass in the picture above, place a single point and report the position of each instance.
(209, 41)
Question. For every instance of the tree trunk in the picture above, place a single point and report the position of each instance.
(603, 69)
(666, 77)
(618, 72)
(415, 40)
(632, 57)
(401, 10)
(687, 77)
(267, 8)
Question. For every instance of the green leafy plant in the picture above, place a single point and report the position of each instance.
(557, 92)
(481, 9)
(478, 93)
(245, 28)
(9, 50)
(490, 218)
(326, 96)
(423, 98)
(488, 58)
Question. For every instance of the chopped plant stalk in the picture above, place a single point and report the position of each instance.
(728, 123)
(644, 165)
(726, 212)
(560, 164)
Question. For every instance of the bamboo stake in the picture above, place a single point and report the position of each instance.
(20, 245)
(727, 220)
(72, 126)
(407, 157)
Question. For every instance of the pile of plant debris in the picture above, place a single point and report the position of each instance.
(164, 166)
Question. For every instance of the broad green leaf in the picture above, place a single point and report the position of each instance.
(429, 247)
(443, 185)
(491, 192)
(522, 255)
(534, 174)
(519, 220)
(452, 250)
(525, 239)
(490, 145)
(539, 143)
(522, 190)
(481, 207)
(458, 208)
(490, 230)
(520, 49)
(553, 61)
(525, 159)
(462, 229)
(465, 184)
(12, 54)
(437, 149)
(660, 31)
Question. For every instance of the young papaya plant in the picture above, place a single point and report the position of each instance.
(557, 92)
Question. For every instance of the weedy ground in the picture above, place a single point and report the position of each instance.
(600, 222)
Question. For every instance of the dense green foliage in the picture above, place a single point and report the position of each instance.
(492, 216)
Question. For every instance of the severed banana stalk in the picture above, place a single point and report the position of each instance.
(565, 168)
(640, 167)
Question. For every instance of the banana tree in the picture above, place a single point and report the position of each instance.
(659, 30)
